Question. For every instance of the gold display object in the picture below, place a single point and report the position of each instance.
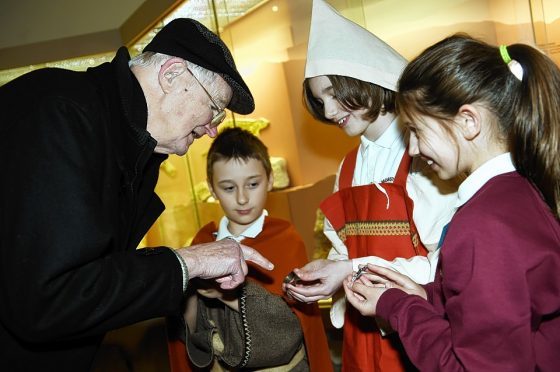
(168, 168)
(252, 125)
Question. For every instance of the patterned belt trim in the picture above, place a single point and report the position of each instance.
(375, 228)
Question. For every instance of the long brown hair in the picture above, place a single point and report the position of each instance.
(461, 70)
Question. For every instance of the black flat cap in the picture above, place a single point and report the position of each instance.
(189, 39)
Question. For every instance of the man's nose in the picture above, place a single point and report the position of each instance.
(211, 130)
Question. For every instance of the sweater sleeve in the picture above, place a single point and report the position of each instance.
(486, 308)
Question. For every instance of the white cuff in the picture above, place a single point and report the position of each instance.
(184, 269)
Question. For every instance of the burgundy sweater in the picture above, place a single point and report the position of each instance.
(495, 302)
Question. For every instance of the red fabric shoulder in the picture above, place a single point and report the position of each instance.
(347, 169)
(403, 170)
(283, 246)
(206, 234)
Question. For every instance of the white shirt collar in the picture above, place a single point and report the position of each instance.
(498, 165)
(251, 232)
(387, 138)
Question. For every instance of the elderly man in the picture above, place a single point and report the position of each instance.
(80, 154)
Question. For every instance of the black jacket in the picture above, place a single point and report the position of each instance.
(76, 197)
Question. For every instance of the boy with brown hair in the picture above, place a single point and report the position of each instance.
(253, 326)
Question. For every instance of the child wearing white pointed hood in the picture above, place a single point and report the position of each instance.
(387, 209)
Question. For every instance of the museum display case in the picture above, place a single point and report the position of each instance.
(268, 40)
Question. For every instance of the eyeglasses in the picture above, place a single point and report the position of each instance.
(220, 114)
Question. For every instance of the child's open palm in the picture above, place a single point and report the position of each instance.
(364, 292)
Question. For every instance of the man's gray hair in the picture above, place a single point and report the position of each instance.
(206, 77)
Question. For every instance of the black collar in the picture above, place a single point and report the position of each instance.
(128, 113)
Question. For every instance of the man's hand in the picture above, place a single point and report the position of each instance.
(223, 260)
(318, 280)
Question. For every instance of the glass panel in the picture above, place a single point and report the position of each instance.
(546, 26)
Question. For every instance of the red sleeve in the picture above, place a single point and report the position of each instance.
(205, 234)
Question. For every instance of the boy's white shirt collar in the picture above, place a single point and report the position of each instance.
(251, 232)
(494, 167)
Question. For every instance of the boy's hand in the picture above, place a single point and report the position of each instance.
(211, 289)
(210, 293)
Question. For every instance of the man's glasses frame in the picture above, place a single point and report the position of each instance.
(220, 114)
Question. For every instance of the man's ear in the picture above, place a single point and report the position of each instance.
(469, 120)
(169, 71)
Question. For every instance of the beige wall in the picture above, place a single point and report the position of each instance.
(272, 101)
(546, 26)
(321, 147)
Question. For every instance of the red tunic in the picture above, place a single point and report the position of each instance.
(281, 244)
(368, 227)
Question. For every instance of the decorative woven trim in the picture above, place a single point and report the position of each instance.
(415, 240)
(374, 228)
(248, 341)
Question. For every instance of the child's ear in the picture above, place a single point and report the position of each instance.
(211, 189)
(469, 120)
(270, 181)
(169, 71)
